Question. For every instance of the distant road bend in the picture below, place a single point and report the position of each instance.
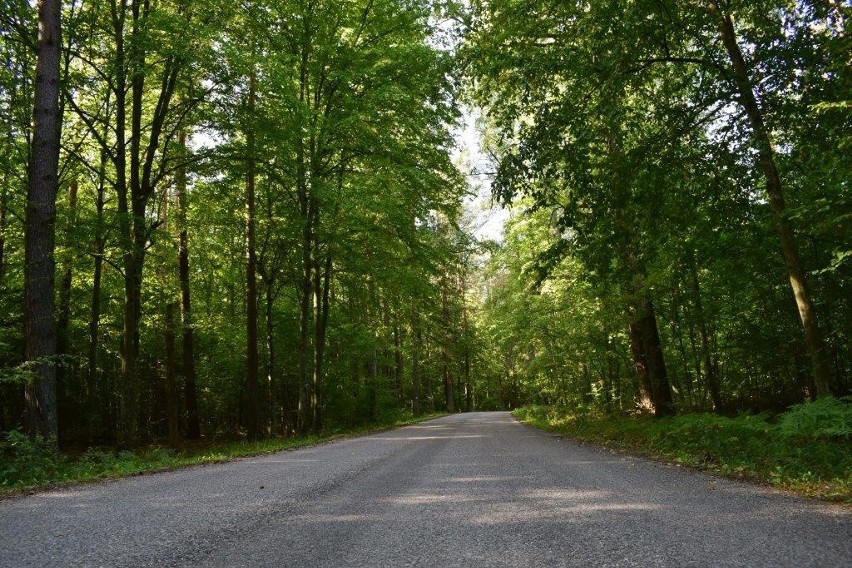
(473, 489)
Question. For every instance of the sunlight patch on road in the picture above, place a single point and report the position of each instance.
(314, 518)
(429, 498)
(479, 479)
(414, 438)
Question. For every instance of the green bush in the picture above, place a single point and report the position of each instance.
(825, 419)
(807, 449)
(26, 461)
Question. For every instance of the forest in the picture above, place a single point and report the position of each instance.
(255, 219)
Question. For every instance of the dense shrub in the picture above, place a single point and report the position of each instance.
(806, 448)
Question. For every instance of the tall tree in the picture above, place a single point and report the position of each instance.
(762, 141)
(193, 427)
(252, 358)
(39, 270)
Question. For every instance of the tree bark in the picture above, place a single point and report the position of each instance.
(820, 368)
(39, 322)
(648, 355)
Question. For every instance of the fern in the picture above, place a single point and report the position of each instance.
(825, 419)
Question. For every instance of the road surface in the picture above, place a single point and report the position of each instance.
(474, 489)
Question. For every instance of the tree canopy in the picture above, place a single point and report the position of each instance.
(263, 225)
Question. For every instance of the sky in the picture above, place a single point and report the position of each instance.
(489, 216)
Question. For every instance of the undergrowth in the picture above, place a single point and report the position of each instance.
(807, 449)
(28, 465)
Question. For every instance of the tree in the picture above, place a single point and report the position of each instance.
(252, 358)
(39, 271)
(349, 157)
(635, 124)
(762, 141)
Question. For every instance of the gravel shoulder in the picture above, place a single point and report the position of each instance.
(469, 489)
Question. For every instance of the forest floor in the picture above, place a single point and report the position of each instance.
(28, 467)
(806, 451)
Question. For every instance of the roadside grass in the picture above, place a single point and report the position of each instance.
(806, 450)
(28, 466)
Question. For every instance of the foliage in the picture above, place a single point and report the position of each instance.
(26, 465)
(827, 419)
(26, 461)
(619, 139)
(814, 461)
(340, 113)
(267, 220)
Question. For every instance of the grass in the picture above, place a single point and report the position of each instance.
(28, 466)
(807, 450)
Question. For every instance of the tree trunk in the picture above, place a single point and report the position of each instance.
(134, 225)
(126, 427)
(398, 368)
(416, 340)
(39, 322)
(127, 197)
(171, 376)
(373, 359)
(305, 388)
(676, 325)
(321, 286)
(252, 359)
(304, 329)
(272, 402)
(305, 287)
(468, 390)
(372, 388)
(193, 426)
(710, 375)
(762, 141)
(4, 188)
(67, 273)
(447, 375)
(3, 205)
(586, 384)
(648, 355)
(427, 397)
(137, 240)
(449, 395)
(306, 214)
(66, 392)
(95, 314)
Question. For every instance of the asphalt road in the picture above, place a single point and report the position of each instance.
(467, 490)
